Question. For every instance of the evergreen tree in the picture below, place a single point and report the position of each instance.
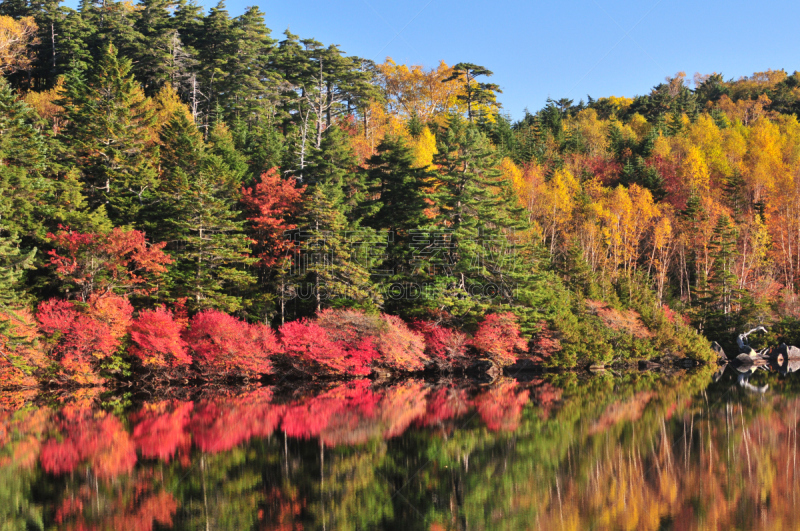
(335, 164)
(475, 93)
(478, 261)
(109, 136)
(336, 259)
(719, 299)
(249, 85)
(160, 56)
(216, 55)
(197, 216)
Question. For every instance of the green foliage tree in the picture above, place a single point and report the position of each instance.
(109, 137)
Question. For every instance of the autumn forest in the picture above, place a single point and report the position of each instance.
(185, 196)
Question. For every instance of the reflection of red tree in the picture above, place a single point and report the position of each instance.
(282, 512)
(96, 438)
(402, 404)
(354, 413)
(135, 508)
(546, 396)
(444, 404)
(222, 423)
(160, 430)
(500, 408)
(342, 407)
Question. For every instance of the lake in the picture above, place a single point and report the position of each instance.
(631, 450)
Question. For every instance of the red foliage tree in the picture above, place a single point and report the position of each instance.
(498, 338)
(445, 346)
(269, 204)
(310, 348)
(21, 355)
(545, 343)
(81, 340)
(224, 345)
(119, 261)
(400, 348)
(157, 340)
(385, 339)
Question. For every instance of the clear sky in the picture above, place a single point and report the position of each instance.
(554, 49)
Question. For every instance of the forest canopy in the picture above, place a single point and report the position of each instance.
(164, 168)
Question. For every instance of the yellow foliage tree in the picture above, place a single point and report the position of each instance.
(424, 148)
(16, 40)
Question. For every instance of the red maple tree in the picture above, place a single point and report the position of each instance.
(270, 204)
(445, 346)
(120, 261)
(81, 338)
(308, 347)
(157, 341)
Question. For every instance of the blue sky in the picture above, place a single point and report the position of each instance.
(554, 49)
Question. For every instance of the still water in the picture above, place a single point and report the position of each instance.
(638, 450)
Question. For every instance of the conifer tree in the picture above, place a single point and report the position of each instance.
(216, 55)
(109, 136)
(479, 261)
(334, 257)
(249, 85)
(397, 206)
(160, 56)
(197, 217)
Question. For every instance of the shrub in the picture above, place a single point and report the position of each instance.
(386, 338)
(445, 346)
(498, 338)
(318, 351)
(226, 346)
(157, 341)
(82, 340)
(21, 352)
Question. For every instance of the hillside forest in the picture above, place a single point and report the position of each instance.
(184, 194)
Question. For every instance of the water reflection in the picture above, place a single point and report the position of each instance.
(558, 451)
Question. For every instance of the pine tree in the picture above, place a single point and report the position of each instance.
(475, 94)
(109, 136)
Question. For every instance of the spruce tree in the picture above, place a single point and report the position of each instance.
(198, 219)
(109, 137)
(333, 257)
(479, 260)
